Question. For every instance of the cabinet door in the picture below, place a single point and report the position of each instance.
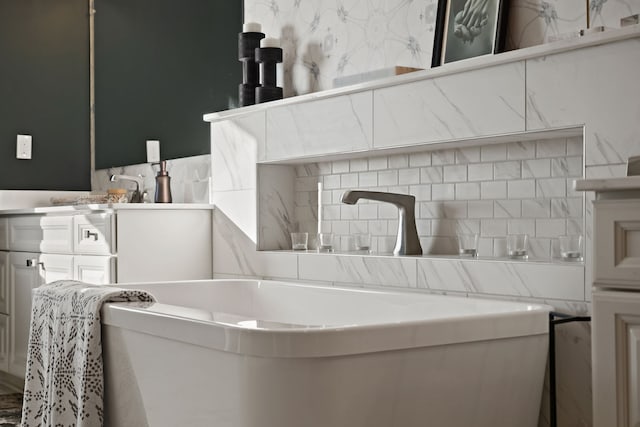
(4, 282)
(97, 270)
(24, 276)
(616, 358)
(4, 342)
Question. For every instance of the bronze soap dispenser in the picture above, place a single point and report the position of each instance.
(163, 184)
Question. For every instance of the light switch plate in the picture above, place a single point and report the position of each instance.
(153, 151)
(23, 147)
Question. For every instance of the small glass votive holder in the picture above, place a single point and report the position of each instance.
(325, 242)
(571, 248)
(299, 241)
(468, 245)
(363, 242)
(518, 246)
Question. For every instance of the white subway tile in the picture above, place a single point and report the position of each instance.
(454, 209)
(575, 227)
(331, 182)
(340, 227)
(485, 246)
(348, 212)
(521, 226)
(494, 152)
(480, 172)
(377, 163)
(562, 208)
(536, 208)
(401, 189)
(409, 176)
(480, 209)
(493, 190)
(468, 191)
(421, 192)
(575, 146)
(521, 150)
(431, 210)
(468, 155)
(331, 212)
(358, 165)
(378, 228)
(566, 166)
(356, 227)
(332, 196)
(540, 168)
(349, 180)
(507, 209)
(443, 157)
(439, 245)
(419, 159)
(457, 173)
(468, 226)
(340, 166)
(550, 227)
(387, 211)
(551, 148)
(506, 170)
(500, 247)
(493, 227)
(367, 210)
(307, 169)
(539, 248)
(368, 179)
(423, 226)
(443, 192)
(324, 168)
(553, 187)
(431, 174)
(521, 189)
(444, 227)
(398, 161)
(388, 177)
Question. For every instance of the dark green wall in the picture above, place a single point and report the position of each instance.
(44, 92)
(161, 65)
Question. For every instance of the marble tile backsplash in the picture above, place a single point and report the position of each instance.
(190, 178)
(493, 190)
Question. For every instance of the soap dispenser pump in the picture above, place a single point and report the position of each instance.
(163, 184)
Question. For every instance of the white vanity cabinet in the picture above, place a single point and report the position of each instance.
(98, 246)
(616, 301)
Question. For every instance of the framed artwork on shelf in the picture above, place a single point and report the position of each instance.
(469, 28)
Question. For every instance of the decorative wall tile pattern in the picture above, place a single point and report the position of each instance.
(488, 195)
(324, 39)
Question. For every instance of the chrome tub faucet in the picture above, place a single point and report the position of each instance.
(407, 241)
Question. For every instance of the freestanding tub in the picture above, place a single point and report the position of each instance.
(238, 353)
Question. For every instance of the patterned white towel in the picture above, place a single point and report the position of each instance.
(64, 378)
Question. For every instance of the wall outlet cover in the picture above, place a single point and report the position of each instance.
(23, 147)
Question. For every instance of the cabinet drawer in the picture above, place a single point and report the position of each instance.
(94, 269)
(35, 233)
(94, 234)
(4, 234)
(617, 233)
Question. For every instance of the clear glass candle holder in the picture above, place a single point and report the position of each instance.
(363, 242)
(518, 246)
(299, 241)
(468, 245)
(571, 248)
(325, 242)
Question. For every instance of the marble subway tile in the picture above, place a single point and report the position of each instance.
(431, 174)
(419, 159)
(467, 155)
(455, 173)
(480, 172)
(540, 168)
(493, 190)
(467, 191)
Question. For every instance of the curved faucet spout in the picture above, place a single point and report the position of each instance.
(407, 241)
(137, 196)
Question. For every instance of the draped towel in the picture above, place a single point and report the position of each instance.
(64, 382)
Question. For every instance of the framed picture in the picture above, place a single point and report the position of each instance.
(468, 28)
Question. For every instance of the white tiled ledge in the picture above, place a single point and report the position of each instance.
(500, 277)
(611, 184)
(478, 63)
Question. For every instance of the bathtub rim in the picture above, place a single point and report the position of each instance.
(327, 341)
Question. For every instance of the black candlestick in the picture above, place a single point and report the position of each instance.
(268, 57)
(248, 41)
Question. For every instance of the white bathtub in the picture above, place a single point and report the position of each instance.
(274, 354)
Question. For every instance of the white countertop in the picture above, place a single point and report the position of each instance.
(69, 209)
(627, 183)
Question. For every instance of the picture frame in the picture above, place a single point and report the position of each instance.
(469, 28)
